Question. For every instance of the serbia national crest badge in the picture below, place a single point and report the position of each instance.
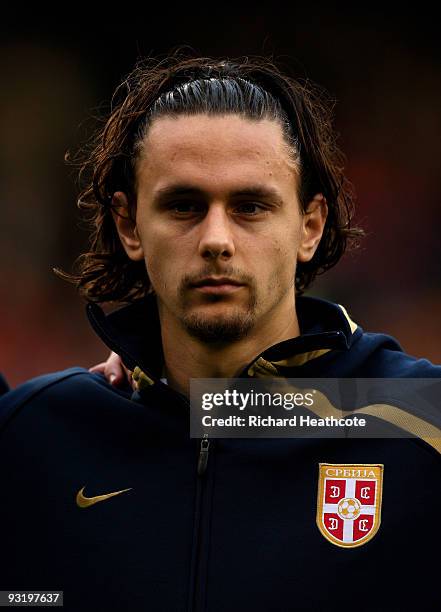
(349, 502)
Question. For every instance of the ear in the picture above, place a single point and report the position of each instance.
(313, 224)
(126, 226)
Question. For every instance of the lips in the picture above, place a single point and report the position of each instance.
(212, 281)
(217, 286)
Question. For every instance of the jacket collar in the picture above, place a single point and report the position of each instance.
(134, 333)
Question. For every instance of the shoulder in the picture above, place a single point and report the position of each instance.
(381, 356)
(71, 386)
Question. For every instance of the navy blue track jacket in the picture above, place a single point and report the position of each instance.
(239, 536)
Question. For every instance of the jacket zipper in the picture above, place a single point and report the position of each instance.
(198, 578)
(203, 455)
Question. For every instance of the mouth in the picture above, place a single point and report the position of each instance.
(217, 285)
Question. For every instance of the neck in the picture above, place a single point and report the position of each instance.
(187, 357)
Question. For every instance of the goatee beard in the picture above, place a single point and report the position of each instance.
(222, 330)
(230, 327)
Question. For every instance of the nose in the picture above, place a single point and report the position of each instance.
(216, 240)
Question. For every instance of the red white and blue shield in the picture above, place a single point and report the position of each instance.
(349, 502)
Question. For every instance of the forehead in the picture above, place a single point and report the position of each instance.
(211, 148)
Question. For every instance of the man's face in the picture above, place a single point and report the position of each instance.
(219, 222)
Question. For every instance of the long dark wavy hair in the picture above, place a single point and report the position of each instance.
(254, 88)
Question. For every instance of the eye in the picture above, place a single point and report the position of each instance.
(250, 208)
(185, 207)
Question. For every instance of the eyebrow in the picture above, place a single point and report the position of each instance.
(256, 191)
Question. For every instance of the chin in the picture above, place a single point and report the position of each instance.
(219, 328)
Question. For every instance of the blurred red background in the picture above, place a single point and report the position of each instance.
(384, 71)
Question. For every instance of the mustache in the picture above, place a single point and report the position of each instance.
(230, 272)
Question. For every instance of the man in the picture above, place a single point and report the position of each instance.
(216, 195)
